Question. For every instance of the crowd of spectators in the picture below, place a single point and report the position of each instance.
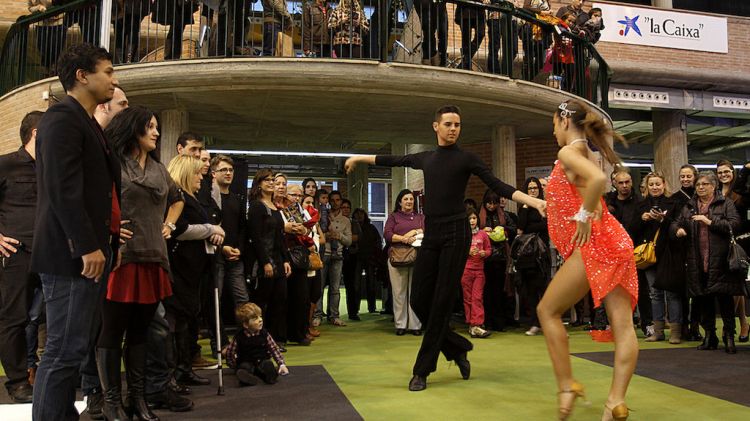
(337, 30)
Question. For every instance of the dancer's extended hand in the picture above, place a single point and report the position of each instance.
(541, 206)
(582, 234)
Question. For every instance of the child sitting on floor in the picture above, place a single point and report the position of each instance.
(252, 348)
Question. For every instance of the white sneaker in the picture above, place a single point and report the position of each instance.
(649, 331)
(533, 331)
(316, 322)
(478, 332)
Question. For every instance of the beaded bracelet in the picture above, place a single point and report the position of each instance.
(582, 215)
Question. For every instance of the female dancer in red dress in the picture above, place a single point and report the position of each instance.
(598, 255)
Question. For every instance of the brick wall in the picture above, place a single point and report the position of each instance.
(13, 109)
(529, 153)
(10, 10)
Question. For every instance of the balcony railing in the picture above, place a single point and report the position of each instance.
(493, 37)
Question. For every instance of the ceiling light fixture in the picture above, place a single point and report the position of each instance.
(285, 153)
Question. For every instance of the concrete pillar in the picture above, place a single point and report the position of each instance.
(670, 144)
(172, 124)
(504, 156)
(415, 178)
(664, 4)
(398, 175)
(357, 189)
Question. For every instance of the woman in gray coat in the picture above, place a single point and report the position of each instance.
(706, 222)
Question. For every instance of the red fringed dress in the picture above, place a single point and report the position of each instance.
(608, 256)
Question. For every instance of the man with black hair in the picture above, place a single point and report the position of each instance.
(91, 387)
(17, 283)
(445, 248)
(77, 223)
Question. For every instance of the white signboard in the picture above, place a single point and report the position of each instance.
(661, 28)
(538, 172)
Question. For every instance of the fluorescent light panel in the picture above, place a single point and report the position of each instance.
(284, 153)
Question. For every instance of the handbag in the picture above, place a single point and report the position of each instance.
(645, 254)
(402, 256)
(300, 257)
(316, 263)
(737, 257)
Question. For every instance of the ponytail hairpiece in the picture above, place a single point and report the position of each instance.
(564, 111)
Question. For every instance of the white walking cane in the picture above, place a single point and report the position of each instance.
(218, 340)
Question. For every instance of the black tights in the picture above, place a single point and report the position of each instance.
(118, 318)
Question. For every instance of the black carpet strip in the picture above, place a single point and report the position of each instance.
(308, 392)
(713, 373)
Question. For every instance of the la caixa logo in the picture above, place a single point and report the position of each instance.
(664, 27)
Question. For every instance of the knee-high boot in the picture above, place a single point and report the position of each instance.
(108, 364)
(135, 366)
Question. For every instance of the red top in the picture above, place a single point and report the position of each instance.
(607, 257)
(114, 222)
(479, 241)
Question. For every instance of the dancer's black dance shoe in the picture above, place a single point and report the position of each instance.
(463, 366)
(418, 383)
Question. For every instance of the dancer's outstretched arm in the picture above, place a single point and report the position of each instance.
(532, 202)
(352, 162)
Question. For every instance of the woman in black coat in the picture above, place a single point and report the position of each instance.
(268, 257)
(192, 239)
(706, 223)
(534, 279)
(655, 212)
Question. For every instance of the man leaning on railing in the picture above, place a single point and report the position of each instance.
(276, 18)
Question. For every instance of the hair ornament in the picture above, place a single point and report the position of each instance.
(564, 111)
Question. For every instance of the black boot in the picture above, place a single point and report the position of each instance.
(184, 371)
(108, 364)
(729, 346)
(135, 366)
(710, 341)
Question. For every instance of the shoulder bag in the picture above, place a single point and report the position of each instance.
(402, 256)
(737, 257)
(645, 254)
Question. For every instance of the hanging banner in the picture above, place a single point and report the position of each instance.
(662, 28)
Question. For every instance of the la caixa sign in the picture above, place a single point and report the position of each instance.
(663, 28)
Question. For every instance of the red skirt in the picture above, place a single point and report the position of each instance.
(142, 283)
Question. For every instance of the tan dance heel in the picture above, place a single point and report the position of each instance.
(575, 391)
(619, 412)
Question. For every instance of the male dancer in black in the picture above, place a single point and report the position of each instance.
(442, 257)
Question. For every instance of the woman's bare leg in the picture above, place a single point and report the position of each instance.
(567, 287)
(620, 313)
(740, 310)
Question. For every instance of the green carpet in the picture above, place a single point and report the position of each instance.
(511, 378)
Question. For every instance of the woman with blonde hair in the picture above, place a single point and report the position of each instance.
(192, 239)
(657, 210)
(598, 255)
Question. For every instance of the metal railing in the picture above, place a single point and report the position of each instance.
(491, 36)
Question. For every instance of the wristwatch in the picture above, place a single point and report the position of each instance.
(170, 225)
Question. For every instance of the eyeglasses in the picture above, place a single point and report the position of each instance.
(228, 170)
(269, 180)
